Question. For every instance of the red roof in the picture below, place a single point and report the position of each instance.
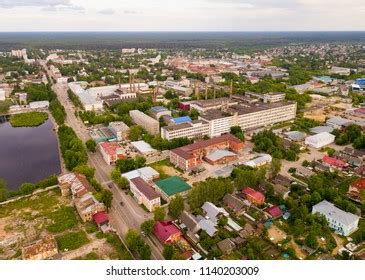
(101, 218)
(334, 161)
(360, 110)
(255, 194)
(112, 148)
(164, 230)
(274, 211)
(359, 184)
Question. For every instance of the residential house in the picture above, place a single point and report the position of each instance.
(253, 196)
(87, 206)
(357, 189)
(226, 246)
(233, 203)
(274, 212)
(167, 232)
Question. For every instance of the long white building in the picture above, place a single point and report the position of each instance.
(151, 125)
(191, 130)
(248, 116)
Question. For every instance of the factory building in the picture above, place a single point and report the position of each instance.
(151, 125)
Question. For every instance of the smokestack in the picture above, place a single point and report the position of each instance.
(206, 92)
(215, 92)
(130, 83)
(231, 90)
(197, 90)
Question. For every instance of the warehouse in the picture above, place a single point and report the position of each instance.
(320, 140)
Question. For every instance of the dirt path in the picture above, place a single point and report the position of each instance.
(276, 234)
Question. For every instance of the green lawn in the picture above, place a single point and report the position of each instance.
(62, 219)
(28, 119)
(71, 240)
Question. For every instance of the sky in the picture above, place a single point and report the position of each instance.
(182, 15)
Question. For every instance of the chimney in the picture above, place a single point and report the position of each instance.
(231, 90)
(206, 92)
(215, 92)
(130, 82)
(197, 90)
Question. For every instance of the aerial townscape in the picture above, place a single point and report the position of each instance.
(186, 149)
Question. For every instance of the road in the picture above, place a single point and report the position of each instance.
(123, 217)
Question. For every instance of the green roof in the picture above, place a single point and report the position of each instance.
(173, 185)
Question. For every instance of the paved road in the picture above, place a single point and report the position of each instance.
(127, 216)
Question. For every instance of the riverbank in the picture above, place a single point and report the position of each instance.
(31, 119)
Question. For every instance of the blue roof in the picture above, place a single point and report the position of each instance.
(182, 120)
(158, 109)
(360, 82)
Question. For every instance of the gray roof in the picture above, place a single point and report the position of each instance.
(233, 202)
(189, 221)
(295, 135)
(208, 226)
(320, 129)
(213, 211)
(338, 121)
(219, 154)
(330, 210)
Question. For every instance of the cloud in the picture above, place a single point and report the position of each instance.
(32, 3)
(130, 12)
(107, 12)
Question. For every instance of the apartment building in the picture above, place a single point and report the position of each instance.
(248, 116)
(151, 125)
(145, 194)
(191, 130)
(344, 223)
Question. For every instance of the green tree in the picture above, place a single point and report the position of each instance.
(86, 170)
(168, 252)
(311, 240)
(91, 145)
(136, 133)
(275, 167)
(147, 226)
(176, 206)
(3, 191)
(238, 132)
(106, 198)
(159, 214)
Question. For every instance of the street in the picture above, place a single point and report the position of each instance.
(123, 218)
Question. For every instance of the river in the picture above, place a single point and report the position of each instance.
(27, 154)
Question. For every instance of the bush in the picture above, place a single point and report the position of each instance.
(72, 240)
(30, 119)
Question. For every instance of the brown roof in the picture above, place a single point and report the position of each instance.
(189, 221)
(226, 245)
(185, 152)
(40, 247)
(233, 202)
(146, 189)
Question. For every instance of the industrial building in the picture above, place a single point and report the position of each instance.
(192, 130)
(120, 130)
(159, 111)
(151, 125)
(320, 140)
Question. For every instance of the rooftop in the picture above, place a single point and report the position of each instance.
(146, 189)
(173, 185)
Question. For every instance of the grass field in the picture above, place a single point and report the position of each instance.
(72, 240)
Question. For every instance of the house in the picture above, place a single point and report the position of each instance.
(111, 152)
(87, 206)
(304, 172)
(42, 249)
(247, 230)
(333, 162)
(344, 223)
(167, 232)
(75, 184)
(274, 212)
(170, 187)
(189, 222)
(213, 212)
(233, 203)
(357, 189)
(145, 194)
(102, 220)
(253, 196)
(226, 246)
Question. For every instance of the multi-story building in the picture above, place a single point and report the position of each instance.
(111, 152)
(344, 223)
(248, 116)
(159, 111)
(145, 194)
(151, 125)
(190, 156)
(87, 206)
(19, 53)
(191, 130)
(270, 97)
(210, 104)
(120, 130)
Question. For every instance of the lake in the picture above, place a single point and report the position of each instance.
(27, 154)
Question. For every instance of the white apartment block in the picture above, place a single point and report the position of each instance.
(151, 125)
(195, 129)
(248, 117)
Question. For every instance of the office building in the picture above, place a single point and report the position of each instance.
(151, 125)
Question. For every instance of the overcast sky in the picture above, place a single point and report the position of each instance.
(181, 15)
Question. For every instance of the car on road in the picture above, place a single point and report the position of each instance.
(121, 203)
(110, 185)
